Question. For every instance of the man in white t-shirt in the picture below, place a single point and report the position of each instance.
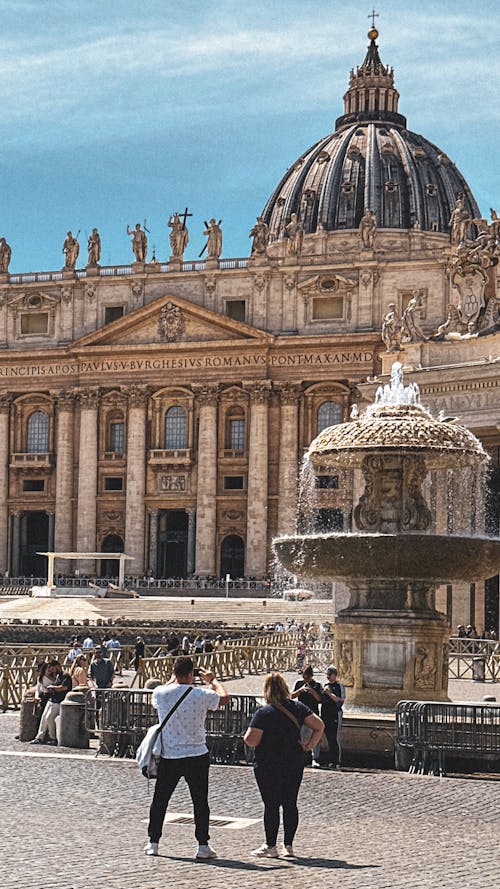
(183, 749)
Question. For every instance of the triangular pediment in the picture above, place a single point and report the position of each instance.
(170, 320)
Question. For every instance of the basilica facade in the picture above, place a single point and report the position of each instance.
(163, 409)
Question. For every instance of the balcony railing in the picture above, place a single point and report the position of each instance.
(114, 455)
(178, 455)
(111, 271)
(27, 460)
(232, 453)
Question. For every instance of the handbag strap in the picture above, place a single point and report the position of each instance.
(290, 715)
(174, 708)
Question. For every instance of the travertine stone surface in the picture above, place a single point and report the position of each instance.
(256, 554)
(135, 516)
(87, 477)
(206, 514)
(63, 533)
(4, 479)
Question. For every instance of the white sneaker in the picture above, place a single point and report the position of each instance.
(151, 848)
(205, 851)
(266, 851)
(315, 764)
(288, 852)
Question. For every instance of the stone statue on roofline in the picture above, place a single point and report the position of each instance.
(5, 255)
(179, 235)
(260, 235)
(71, 249)
(139, 242)
(294, 236)
(391, 329)
(94, 248)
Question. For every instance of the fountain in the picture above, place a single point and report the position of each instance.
(391, 642)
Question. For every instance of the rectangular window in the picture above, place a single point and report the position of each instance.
(236, 309)
(117, 438)
(33, 484)
(329, 482)
(35, 322)
(237, 435)
(113, 483)
(328, 308)
(112, 313)
(233, 482)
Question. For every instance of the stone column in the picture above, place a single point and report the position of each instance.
(86, 522)
(288, 457)
(206, 493)
(16, 542)
(153, 540)
(63, 529)
(256, 548)
(135, 517)
(191, 513)
(5, 401)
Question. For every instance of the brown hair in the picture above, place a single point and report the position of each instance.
(275, 688)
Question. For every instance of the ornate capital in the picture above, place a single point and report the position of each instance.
(289, 393)
(89, 399)
(5, 403)
(138, 395)
(207, 393)
(65, 399)
(259, 392)
(234, 395)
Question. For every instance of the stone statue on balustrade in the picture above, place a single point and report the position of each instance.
(460, 222)
(71, 249)
(179, 236)
(260, 235)
(367, 228)
(139, 242)
(294, 236)
(391, 329)
(410, 322)
(213, 232)
(5, 255)
(94, 248)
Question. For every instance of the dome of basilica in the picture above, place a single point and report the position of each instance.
(371, 161)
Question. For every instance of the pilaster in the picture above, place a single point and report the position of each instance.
(289, 394)
(256, 548)
(135, 516)
(87, 477)
(206, 495)
(62, 540)
(5, 401)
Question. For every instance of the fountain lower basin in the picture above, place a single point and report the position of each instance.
(433, 558)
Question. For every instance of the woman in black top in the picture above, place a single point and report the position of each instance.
(275, 732)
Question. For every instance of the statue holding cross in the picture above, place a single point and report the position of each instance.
(179, 235)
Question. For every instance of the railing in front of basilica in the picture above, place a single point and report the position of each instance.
(19, 586)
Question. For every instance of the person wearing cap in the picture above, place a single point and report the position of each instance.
(332, 701)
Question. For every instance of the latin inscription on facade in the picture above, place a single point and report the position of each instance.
(185, 362)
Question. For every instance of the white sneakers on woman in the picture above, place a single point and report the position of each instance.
(266, 851)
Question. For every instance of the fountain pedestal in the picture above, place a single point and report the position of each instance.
(385, 657)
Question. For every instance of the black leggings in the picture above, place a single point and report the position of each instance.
(279, 785)
(195, 770)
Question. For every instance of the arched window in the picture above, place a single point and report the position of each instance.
(175, 428)
(235, 430)
(329, 414)
(38, 433)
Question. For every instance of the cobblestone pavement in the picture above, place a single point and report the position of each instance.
(70, 821)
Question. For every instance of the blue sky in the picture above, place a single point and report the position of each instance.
(120, 111)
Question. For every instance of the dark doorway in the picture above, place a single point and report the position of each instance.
(34, 537)
(172, 543)
(232, 556)
(113, 543)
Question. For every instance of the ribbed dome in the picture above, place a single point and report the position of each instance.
(370, 161)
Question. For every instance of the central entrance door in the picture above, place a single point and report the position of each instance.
(172, 543)
(113, 543)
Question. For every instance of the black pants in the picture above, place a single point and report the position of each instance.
(331, 733)
(279, 785)
(195, 770)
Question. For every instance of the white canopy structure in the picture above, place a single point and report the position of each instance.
(120, 557)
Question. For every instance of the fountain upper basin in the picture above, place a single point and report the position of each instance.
(433, 558)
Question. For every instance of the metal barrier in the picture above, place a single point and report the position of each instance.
(122, 717)
(429, 731)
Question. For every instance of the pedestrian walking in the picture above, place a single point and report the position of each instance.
(332, 702)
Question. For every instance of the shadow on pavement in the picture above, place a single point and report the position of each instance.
(272, 865)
